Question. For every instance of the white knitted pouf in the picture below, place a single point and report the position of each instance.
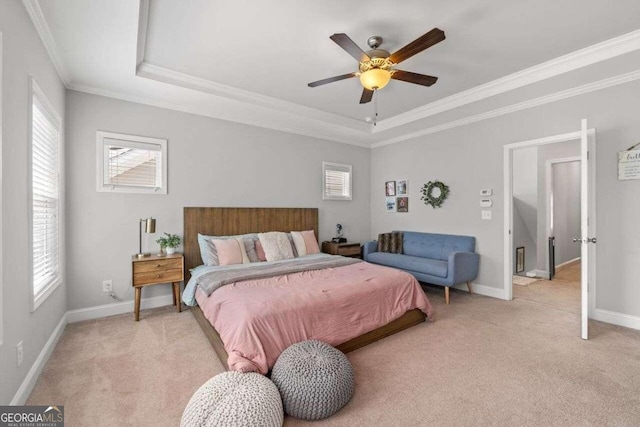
(315, 380)
(235, 399)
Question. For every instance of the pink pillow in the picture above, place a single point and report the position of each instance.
(310, 242)
(228, 251)
(260, 251)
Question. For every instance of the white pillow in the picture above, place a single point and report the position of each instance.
(298, 241)
(276, 246)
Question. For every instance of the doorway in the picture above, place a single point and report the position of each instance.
(544, 219)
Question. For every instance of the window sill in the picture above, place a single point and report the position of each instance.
(44, 294)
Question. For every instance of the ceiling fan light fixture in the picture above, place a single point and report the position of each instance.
(375, 78)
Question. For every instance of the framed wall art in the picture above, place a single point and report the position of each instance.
(390, 188)
(402, 187)
(402, 204)
(520, 259)
(391, 204)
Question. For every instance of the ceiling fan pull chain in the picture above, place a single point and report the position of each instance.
(375, 108)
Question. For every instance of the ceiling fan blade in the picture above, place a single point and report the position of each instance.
(418, 45)
(331, 80)
(367, 96)
(419, 79)
(350, 47)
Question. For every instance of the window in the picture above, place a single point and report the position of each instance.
(336, 184)
(131, 164)
(45, 196)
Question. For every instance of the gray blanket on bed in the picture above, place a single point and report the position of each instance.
(211, 281)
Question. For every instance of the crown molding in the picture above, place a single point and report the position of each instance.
(143, 22)
(599, 52)
(557, 96)
(166, 75)
(188, 81)
(39, 21)
(200, 112)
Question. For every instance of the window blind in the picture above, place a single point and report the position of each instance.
(45, 192)
(132, 164)
(337, 182)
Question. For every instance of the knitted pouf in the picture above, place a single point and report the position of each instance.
(235, 399)
(315, 380)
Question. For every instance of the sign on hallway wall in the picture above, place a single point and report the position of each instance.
(628, 165)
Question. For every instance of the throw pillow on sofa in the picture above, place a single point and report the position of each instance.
(390, 242)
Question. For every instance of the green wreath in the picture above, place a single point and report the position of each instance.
(429, 198)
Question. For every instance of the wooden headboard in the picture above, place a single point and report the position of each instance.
(233, 221)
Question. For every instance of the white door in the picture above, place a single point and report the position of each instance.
(587, 239)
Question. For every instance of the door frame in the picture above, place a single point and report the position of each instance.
(508, 207)
(549, 189)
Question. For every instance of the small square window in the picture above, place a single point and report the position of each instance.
(131, 164)
(336, 181)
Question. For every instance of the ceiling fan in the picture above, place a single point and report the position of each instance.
(376, 65)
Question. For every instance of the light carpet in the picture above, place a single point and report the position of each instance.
(482, 361)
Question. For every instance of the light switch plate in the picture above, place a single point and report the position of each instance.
(486, 203)
(486, 192)
(486, 214)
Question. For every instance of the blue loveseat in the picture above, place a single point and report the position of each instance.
(440, 259)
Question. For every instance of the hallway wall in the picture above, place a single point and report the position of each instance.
(566, 210)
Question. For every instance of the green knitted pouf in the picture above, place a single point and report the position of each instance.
(315, 380)
(235, 399)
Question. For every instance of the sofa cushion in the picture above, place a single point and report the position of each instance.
(433, 267)
(436, 246)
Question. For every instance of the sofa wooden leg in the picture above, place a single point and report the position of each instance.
(446, 295)
(469, 287)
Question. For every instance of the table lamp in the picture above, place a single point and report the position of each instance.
(149, 227)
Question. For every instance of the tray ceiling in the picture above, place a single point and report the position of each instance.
(226, 59)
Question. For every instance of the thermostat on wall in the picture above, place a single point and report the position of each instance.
(486, 203)
(486, 192)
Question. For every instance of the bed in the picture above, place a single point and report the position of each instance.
(408, 305)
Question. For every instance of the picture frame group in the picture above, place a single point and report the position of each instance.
(396, 195)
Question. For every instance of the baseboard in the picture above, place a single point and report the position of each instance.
(107, 310)
(616, 318)
(485, 290)
(29, 381)
(567, 263)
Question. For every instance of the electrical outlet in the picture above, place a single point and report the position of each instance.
(486, 214)
(107, 286)
(19, 353)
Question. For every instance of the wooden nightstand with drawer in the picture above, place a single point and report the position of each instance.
(344, 249)
(154, 270)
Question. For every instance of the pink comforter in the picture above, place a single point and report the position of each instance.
(258, 319)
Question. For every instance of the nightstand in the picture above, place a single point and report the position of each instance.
(155, 270)
(345, 249)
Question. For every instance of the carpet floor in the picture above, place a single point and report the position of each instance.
(482, 361)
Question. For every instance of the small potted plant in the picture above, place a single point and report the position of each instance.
(169, 242)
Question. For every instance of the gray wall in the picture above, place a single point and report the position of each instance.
(23, 56)
(522, 238)
(561, 150)
(211, 163)
(470, 157)
(525, 205)
(566, 210)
